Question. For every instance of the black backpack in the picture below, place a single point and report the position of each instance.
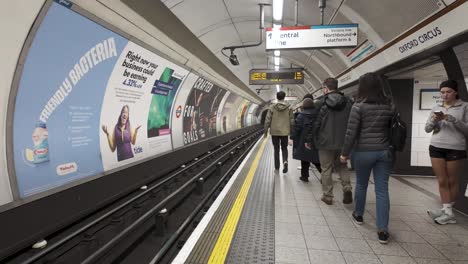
(397, 135)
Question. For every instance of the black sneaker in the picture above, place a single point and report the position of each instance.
(304, 179)
(357, 219)
(383, 237)
(285, 167)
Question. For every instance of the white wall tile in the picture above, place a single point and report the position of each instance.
(420, 139)
(424, 159)
(414, 158)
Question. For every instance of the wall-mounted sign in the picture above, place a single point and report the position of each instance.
(362, 51)
(428, 98)
(309, 37)
(281, 76)
(290, 98)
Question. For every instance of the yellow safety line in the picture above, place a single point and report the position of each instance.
(219, 253)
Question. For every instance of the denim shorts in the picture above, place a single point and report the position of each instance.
(446, 154)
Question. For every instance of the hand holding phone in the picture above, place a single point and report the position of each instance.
(438, 115)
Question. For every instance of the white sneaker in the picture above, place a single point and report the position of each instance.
(445, 219)
(435, 213)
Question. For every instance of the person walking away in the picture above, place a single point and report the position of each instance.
(305, 128)
(448, 123)
(368, 131)
(298, 135)
(327, 135)
(279, 121)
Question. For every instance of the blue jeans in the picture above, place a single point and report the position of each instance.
(380, 162)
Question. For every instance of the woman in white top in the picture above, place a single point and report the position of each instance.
(448, 123)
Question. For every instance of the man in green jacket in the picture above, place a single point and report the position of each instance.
(279, 120)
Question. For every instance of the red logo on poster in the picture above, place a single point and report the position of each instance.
(178, 111)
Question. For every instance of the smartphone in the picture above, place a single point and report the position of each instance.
(439, 113)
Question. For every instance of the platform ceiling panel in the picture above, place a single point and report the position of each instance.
(216, 39)
(221, 23)
(378, 14)
(198, 15)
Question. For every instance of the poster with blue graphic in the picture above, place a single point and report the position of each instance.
(135, 114)
(88, 101)
(59, 101)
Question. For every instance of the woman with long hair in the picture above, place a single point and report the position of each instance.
(448, 123)
(122, 135)
(368, 132)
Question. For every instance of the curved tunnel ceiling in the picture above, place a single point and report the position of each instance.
(221, 23)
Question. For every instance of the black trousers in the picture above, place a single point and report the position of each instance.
(277, 142)
(305, 168)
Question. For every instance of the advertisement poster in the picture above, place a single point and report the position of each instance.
(200, 112)
(56, 118)
(88, 101)
(135, 116)
(230, 113)
(242, 113)
(179, 110)
(250, 120)
(220, 121)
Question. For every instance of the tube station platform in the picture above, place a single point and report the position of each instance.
(267, 216)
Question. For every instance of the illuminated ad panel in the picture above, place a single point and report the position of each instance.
(250, 115)
(230, 112)
(144, 85)
(180, 110)
(88, 101)
(242, 114)
(220, 122)
(200, 111)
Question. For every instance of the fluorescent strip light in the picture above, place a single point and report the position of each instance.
(276, 68)
(277, 53)
(277, 9)
(277, 61)
(277, 88)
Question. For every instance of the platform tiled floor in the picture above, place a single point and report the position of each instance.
(309, 231)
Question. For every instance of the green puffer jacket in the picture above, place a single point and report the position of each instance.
(279, 119)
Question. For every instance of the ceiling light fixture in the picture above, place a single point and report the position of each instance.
(277, 88)
(277, 10)
(277, 61)
(277, 53)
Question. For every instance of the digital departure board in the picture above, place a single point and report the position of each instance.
(281, 76)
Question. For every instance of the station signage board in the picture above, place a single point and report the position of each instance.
(310, 37)
(280, 76)
(428, 98)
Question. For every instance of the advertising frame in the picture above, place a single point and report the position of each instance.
(9, 130)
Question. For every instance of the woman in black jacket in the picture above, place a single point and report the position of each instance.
(368, 132)
(298, 135)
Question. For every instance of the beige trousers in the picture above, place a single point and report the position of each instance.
(329, 160)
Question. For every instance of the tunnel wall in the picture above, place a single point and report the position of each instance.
(74, 79)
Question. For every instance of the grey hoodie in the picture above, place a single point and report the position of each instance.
(450, 133)
(279, 119)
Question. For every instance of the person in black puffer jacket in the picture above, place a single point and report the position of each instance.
(298, 135)
(368, 131)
